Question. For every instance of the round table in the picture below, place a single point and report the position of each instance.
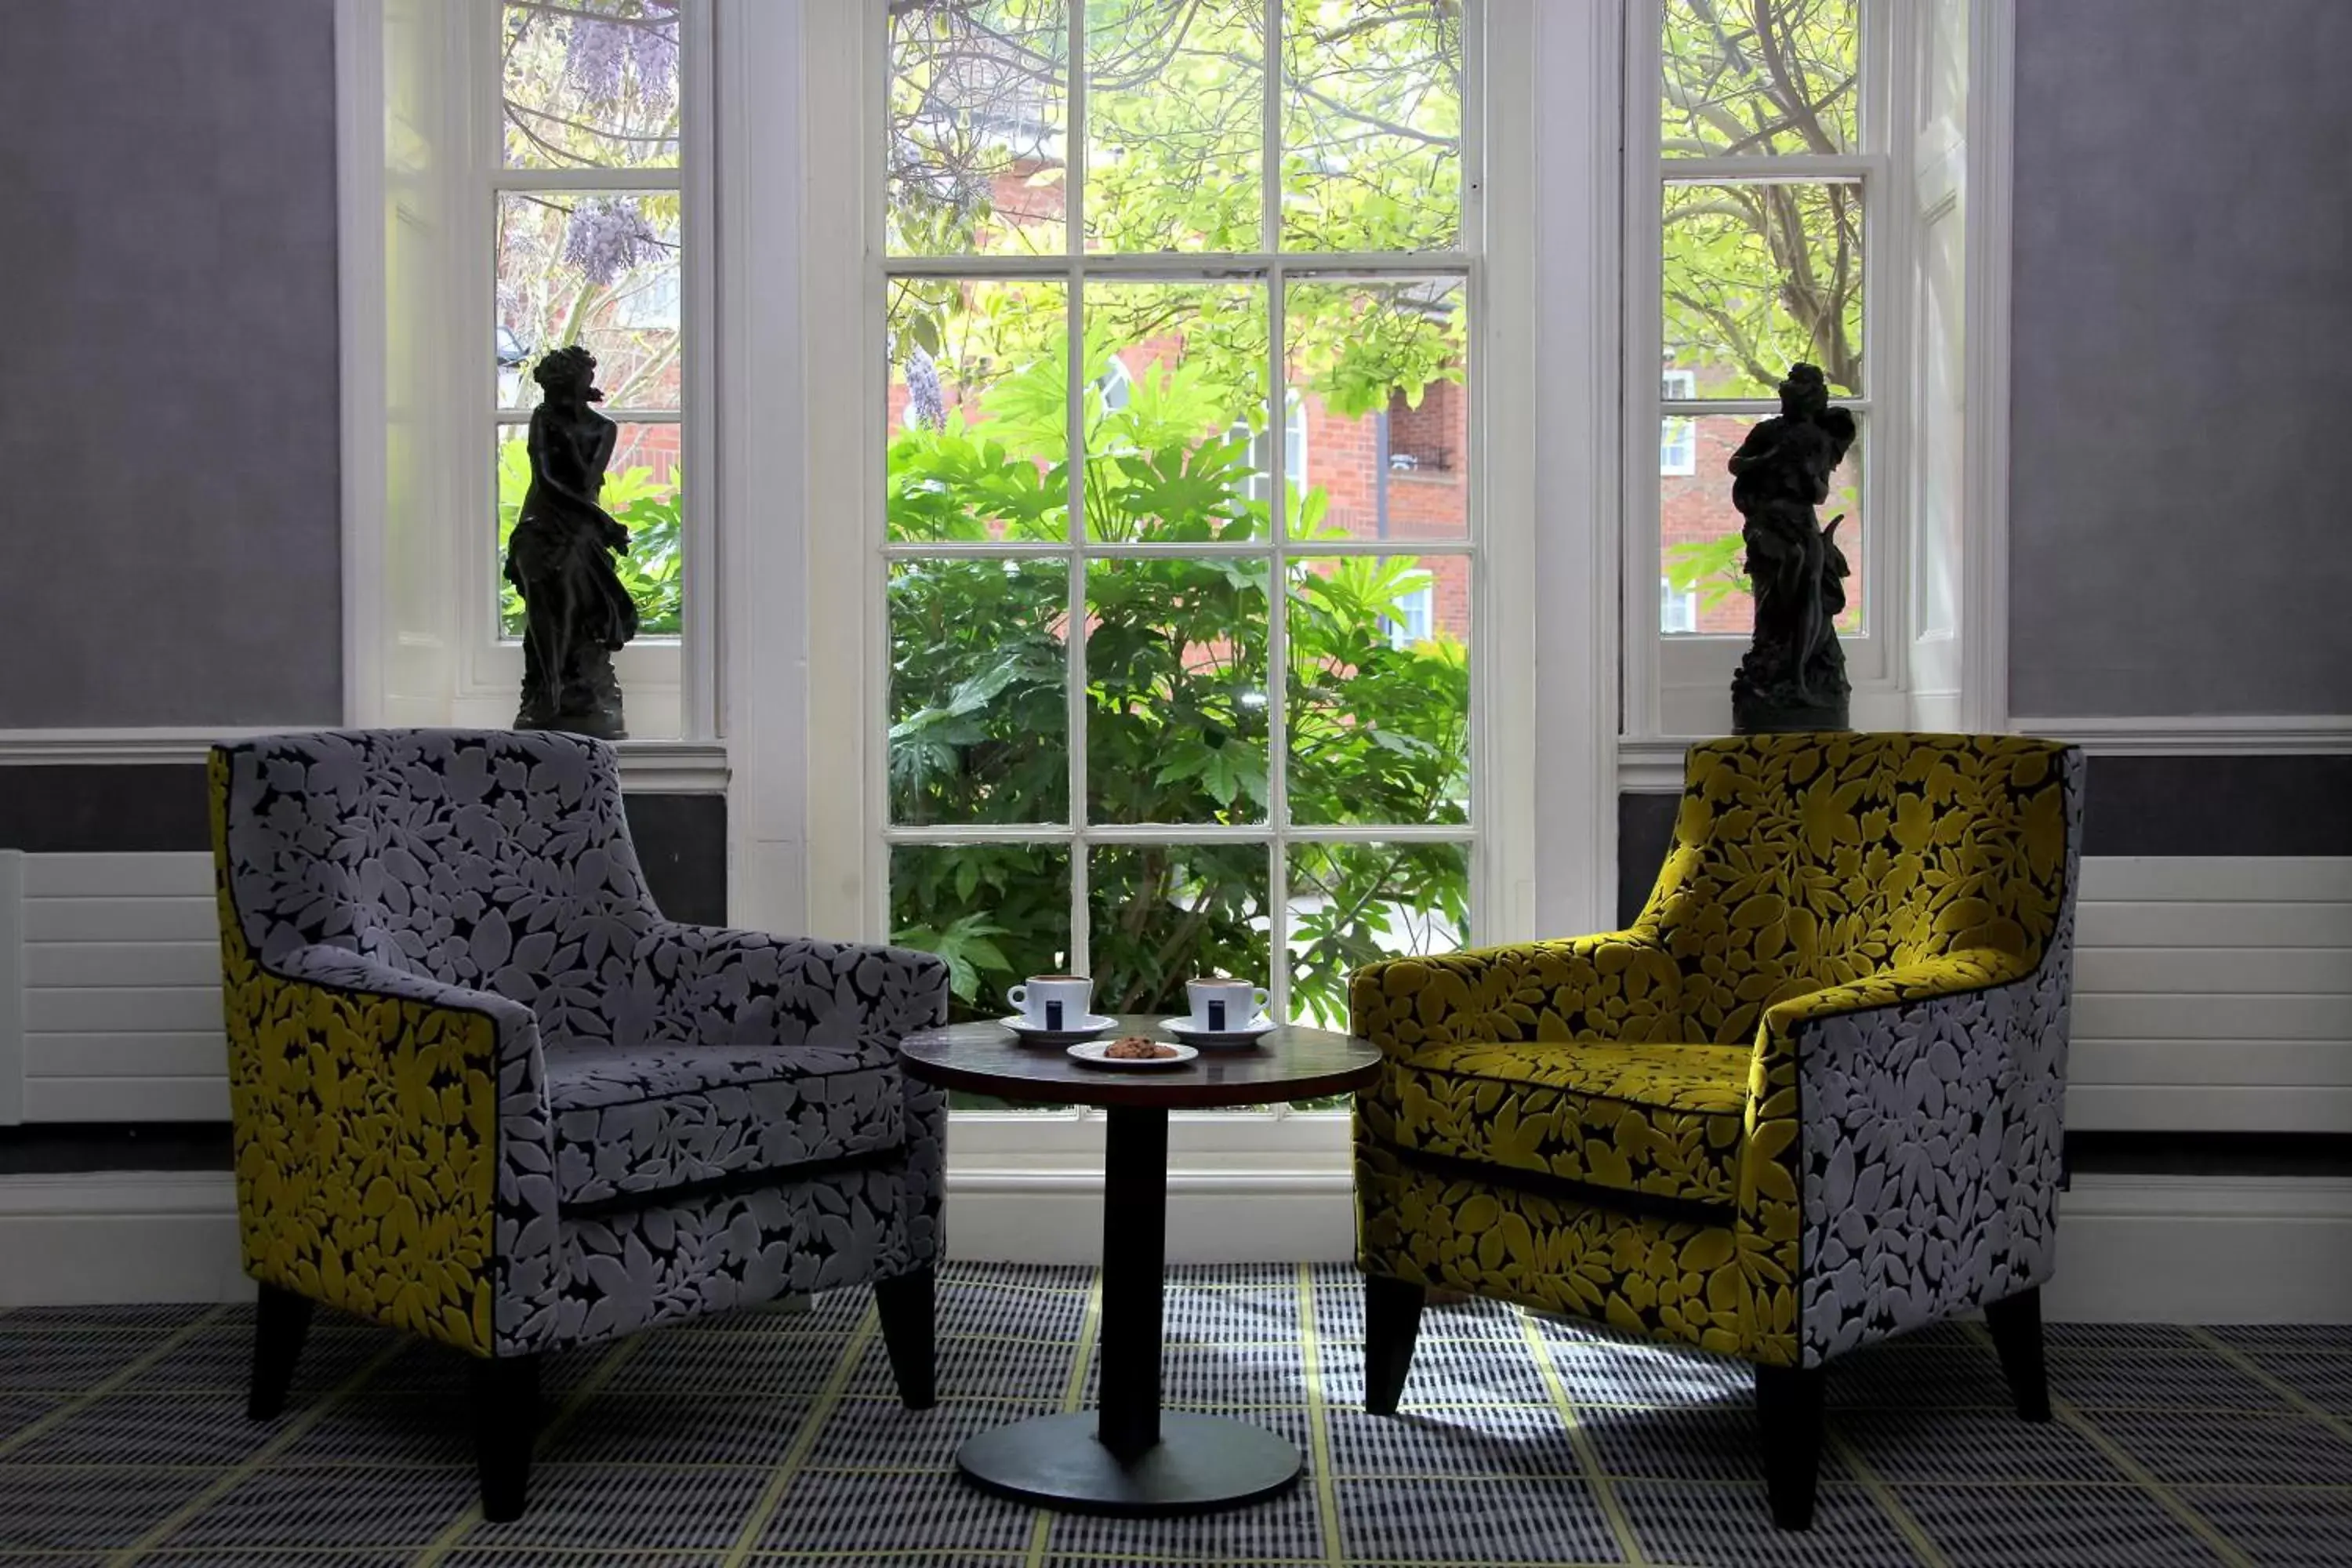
(1129, 1457)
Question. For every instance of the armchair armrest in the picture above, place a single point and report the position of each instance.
(1885, 1123)
(428, 1199)
(1622, 985)
(746, 988)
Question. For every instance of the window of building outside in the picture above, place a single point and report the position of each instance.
(586, 243)
(1770, 156)
(1416, 614)
(1148, 718)
(1678, 437)
(1677, 607)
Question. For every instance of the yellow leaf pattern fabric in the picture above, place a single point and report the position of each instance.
(1667, 1120)
(1860, 945)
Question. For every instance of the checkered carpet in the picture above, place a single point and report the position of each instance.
(774, 1437)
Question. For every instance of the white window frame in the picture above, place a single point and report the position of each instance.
(1271, 266)
(837, 861)
(1677, 454)
(425, 645)
(1905, 673)
(1680, 685)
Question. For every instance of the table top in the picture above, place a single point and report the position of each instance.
(1293, 1062)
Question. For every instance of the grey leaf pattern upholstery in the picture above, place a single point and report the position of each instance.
(1934, 1144)
(631, 1122)
(670, 1105)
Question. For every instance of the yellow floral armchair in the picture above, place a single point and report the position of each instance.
(1812, 1098)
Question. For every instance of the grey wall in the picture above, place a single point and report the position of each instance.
(168, 449)
(2181, 492)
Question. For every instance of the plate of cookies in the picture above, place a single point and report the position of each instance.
(1132, 1051)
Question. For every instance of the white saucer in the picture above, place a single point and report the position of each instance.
(1184, 1029)
(1091, 1055)
(1088, 1027)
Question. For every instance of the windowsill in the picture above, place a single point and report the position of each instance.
(673, 767)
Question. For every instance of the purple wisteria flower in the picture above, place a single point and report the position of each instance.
(593, 56)
(925, 399)
(605, 237)
(653, 52)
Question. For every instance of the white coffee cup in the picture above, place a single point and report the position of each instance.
(1054, 1002)
(1224, 1006)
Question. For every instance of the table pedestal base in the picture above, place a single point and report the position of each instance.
(1201, 1464)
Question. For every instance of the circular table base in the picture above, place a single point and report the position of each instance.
(1203, 1463)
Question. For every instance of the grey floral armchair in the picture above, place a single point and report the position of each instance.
(483, 1092)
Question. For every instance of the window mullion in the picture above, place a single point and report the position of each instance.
(1278, 623)
(1073, 644)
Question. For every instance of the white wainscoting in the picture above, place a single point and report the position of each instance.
(2211, 994)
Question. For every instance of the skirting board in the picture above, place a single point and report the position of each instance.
(2131, 1249)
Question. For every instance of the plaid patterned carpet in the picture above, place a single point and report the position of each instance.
(774, 1437)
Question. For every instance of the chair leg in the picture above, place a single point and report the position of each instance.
(1392, 1323)
(2016, 1325)
(1789, 1409)
(506, 1421)
(281, 1320)
(907, 1311)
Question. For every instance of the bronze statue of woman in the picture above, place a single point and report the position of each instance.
(1793, 677)
(577, 611)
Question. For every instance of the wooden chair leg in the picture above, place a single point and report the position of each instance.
(905, 1305)
(2016, 1325)
(281, 1320)
(1789, 1409)
(506, 1422)
(1392, 1323)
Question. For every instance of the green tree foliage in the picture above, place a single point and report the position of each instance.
(1177, 692)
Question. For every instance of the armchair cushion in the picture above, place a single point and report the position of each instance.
(1668, 1122)
(630, 1122)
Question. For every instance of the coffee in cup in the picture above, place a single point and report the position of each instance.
(1223, 1006)
(1054, 1002)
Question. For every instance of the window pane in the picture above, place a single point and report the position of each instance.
(1758, 278)
(1160, 914)
(978, 714)
(1175, 393)
(1379, 719)
(1371, 125)
(1698, 528)
(1176, 690)
(976, 428)
(597, 271)
(978, 120)
(591, 84)
(643, 491)
(1175, 124)
(1353, 904)
(1773, 75)
(997, 912)
(1381, 373)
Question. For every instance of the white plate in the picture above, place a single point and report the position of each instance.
(1184, 1029)
(1091, 1055)
(1091, 1025)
